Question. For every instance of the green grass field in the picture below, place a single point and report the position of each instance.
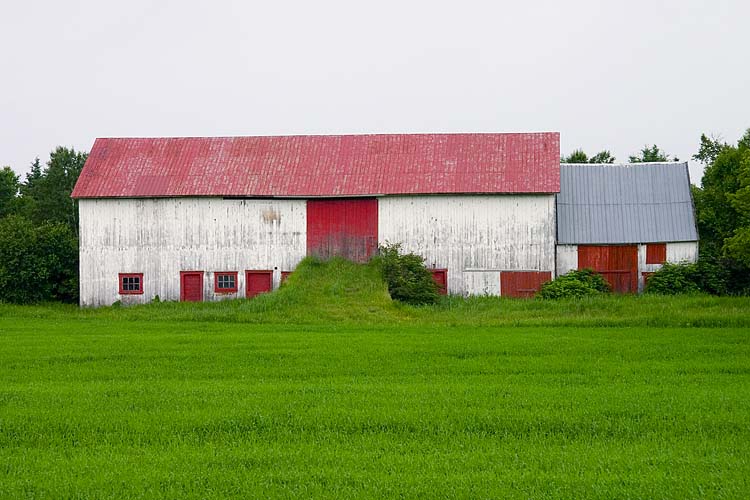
(327, 389)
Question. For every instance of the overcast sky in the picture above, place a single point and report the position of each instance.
(606, 75)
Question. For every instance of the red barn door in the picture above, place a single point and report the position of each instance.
(191, 286)
(617, 263)
(344, 227)
(440, 276)
(522, 284)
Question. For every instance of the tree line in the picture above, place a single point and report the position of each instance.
(39, 221)
(646, 154)
(39, 230)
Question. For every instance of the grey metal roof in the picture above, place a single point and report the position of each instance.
(627, 203)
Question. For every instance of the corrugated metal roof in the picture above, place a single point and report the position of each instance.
(629, 203)
(316, 166)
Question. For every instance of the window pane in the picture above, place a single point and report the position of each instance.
(225, 281)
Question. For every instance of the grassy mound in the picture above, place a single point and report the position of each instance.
(317, 291)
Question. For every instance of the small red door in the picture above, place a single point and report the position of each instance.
(257, 282)
(441, 280)
(191, 286)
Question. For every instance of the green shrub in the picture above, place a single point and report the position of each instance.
(37, 263)
(574, 284)
(407, 277)
(675, 279)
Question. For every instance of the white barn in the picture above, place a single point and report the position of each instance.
(624, 221)
(214, 218)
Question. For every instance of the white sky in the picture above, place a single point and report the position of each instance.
(606, 75)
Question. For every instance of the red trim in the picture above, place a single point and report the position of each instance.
(183, 275)
(122, 291)
(250, 293)
(656, 253)
(285, 275)
(225, 290)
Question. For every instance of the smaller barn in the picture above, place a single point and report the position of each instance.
(624, 221)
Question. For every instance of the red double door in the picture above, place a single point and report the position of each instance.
(618, 264)
(345, 228)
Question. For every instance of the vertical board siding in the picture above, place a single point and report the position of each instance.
(566, 259)
(682, 252)
(617, 263)
(522, 284)
(474, 237)
(162, 237)
(342, 228)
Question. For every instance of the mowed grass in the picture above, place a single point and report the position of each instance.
(357, 397)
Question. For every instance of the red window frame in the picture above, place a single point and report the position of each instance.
(284, 276)
(122, 291)
(225, 290)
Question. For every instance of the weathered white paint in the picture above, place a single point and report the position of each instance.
(473, 236)
(685, 251)
(161, 237)
(567, 259)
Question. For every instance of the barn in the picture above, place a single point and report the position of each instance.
(624, 221)
(210, 218)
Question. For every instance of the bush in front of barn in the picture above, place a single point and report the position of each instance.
(407, 277)
(574, 284)
(37, 262)
(675, 279)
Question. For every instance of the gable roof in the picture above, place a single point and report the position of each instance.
(628, 203)
(320, 166)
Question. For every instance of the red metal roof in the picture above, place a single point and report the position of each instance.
(319, 166)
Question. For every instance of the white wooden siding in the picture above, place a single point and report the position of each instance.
(567, 259)
(161, 237)
(474, 236)
(686, 251)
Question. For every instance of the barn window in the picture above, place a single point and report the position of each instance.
(656, 253)
(131, 283)
(225, 282)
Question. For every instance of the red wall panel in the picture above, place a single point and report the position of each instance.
(522, 283)
(617, 263)
(342, 227)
